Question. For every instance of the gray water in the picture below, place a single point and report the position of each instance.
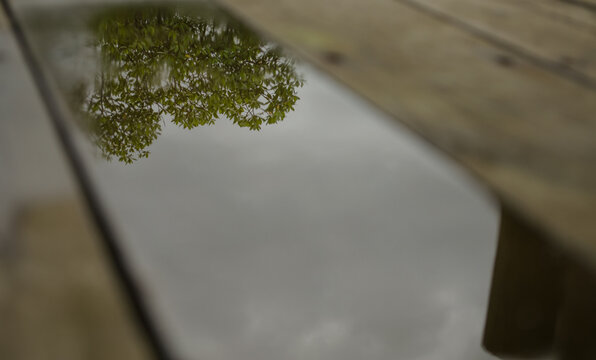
(333, 234)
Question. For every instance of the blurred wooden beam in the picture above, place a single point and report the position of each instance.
(541, 301)
(58, 297)
(526, 293)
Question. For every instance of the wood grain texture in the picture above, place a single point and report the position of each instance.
(525, 128)
(524, 28)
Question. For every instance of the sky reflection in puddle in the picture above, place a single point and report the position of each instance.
(330, 235)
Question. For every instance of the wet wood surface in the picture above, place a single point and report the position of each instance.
(506, 88)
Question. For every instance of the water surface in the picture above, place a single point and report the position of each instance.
(309, 226)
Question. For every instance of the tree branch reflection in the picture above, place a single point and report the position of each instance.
(158, 64)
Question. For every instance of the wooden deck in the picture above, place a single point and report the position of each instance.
(506, 88)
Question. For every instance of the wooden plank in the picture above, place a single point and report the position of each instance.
(523, 28)
(541, 301)
(526, 130)
(58, 298)
(526, 293)
(563, 11)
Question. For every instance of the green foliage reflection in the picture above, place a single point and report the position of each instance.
(160, 65)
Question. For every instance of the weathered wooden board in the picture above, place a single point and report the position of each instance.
(562, 11)
(523, 28)
(525, 128)
(58, 297)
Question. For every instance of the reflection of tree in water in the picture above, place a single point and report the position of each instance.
(161, 65)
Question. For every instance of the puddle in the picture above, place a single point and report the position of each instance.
(272, 213)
